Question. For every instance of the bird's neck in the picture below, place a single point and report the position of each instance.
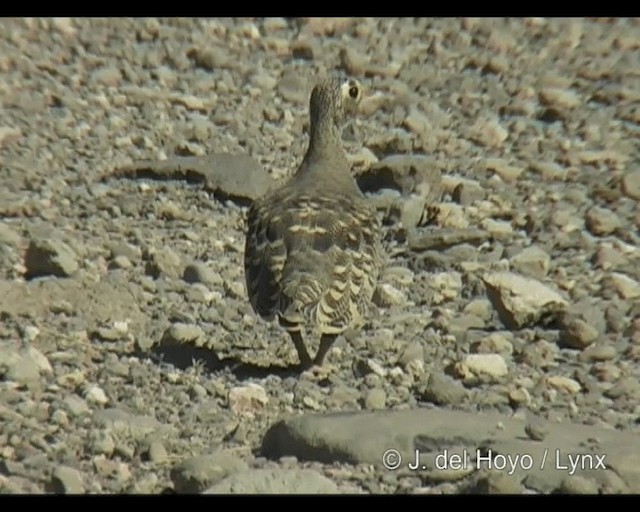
(324, 138)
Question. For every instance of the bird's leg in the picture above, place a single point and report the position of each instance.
(326, 340)
(303, 355)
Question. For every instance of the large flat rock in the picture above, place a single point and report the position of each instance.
(452, 444)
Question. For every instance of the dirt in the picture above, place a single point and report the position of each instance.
(503, 156)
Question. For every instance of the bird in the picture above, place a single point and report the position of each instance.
(313, 249)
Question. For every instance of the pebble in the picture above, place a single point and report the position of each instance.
(521, 301)
(532, 261)
(492, 366)
(579, 334)
(602, 221)
(631, 184)
(562, 383)
(50, 256)
(626, 287)
(247, 399)
(195, 474)
(441, 389)
(66, 480)
(375, 399)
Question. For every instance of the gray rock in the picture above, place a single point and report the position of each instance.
(237, 177)
(181, 334)
(9, 236)
(441, 389)
(66, 480)
(364, 437)
(101, 443)
(499, 482)
(625, 286)
(631, 184)
(521, 301)
(579, 334)
(598, 353)
(536, 430)
(532, 262)
(275, 481)
(375, 399)
(163, 262)
(482, 367)
(109, 76)
(195, 474)
(157, 452)
(441, 239)
(23, 366)
(577, 484)
(199, 272)
(292, 88)
(76, 406)
(467, 193)
(407, 174)
(119, 422)
(50, 256)
(601, 221)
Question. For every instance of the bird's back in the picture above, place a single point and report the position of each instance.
(312, 256)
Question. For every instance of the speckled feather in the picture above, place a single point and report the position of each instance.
(313, 251)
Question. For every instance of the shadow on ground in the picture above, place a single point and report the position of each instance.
(184, 356)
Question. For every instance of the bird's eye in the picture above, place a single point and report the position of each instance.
(353, 91)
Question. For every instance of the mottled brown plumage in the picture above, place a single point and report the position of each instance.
(312, 254)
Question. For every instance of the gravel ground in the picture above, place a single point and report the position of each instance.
(504, 158)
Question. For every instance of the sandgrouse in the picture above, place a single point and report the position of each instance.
(313, 253)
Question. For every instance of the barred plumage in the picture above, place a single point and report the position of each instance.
(313, 253)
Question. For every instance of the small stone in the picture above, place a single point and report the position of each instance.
(559, 98)
(109, 76)
(249, 398)
(441, 389)
(275, 481)
(497, 482)
(521, 301)
(157, 452)
(50, 256)
(66, 480)
(626, 287)
(532, 262)
(467, 193)
(102, 443)
(445, 285)
(95, 394)
(631, 184)
(579, 334)
(492, 366)
(488, 132)
(75, 405)
(504, 170)
(412, 352)
(163, 262)
(375, 399)
(386, 295)
(495, 343)
(520, 397)
(578, 484)
(480, 308)
(625, 387)
(601, 221)
(598, 353)
(182, 334)
(536, 430)
(562, 383)
(197, 473)
(200, 273)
